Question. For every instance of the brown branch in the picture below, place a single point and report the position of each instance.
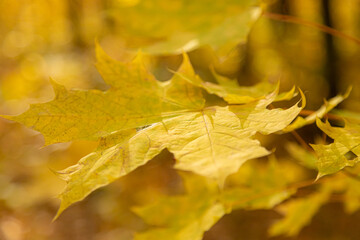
(328, 115)
(318, 26)
(324, 136)
(302, 141)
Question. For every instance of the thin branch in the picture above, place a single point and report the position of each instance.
(318, 26)
(324, 136)
(301, 141)
(328, 115)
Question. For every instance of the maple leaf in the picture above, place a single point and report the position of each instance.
(109, 162)
(216, 141)
(188, 216)
(186, 25)
(135, 99)
(212, 141)
(299, 212)
(333, 157)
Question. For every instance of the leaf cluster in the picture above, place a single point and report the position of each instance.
(214, 143)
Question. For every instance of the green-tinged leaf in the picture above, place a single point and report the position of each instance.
(135, 99)
(302, 156)
(163, 28)
(331, 158)
(299, 212)
(349, 136)
(324, 109)
(334, 157)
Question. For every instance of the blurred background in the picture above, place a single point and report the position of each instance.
(40, 39)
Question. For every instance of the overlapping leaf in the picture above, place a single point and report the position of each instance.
(162, 28)
(216, 141)
(299, 212)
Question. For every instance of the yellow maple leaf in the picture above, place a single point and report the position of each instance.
(212, 141)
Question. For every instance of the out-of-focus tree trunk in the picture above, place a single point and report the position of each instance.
(74, 11)
(245, 76)
(331, 73)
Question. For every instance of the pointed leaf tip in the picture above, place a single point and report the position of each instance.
(303, 98)
(99, 51)
(348, 91)
(61, 209)
(59, 89)
(186, 66)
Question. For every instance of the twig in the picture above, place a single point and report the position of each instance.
(301, 141)
(324, 136)
(318, 26)
(328, 115)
